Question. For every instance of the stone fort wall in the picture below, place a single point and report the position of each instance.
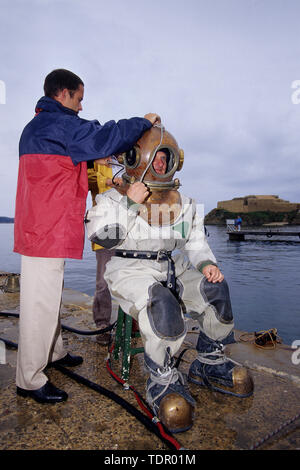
(258, 203)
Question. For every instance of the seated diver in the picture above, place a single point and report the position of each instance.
(145, 222)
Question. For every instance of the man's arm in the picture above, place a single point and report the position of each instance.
(89, 140)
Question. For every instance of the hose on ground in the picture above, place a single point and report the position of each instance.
(143, 419)
(69, 328)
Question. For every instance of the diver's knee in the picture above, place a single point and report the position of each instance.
(217, 295)
(164, 313)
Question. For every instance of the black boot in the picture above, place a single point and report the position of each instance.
(48, 393)
(169, 397)
(216, 371)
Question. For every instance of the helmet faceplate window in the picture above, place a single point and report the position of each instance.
(172, 162)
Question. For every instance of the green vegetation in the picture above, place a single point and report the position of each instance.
(219, 217)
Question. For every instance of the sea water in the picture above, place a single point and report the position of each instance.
(263, 277)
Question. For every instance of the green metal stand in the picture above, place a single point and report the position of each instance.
(122, 345)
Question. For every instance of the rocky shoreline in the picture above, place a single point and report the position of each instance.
(257, 219)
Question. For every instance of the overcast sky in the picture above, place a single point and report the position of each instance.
(220, 73)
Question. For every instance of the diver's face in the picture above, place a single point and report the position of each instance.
(160, 163)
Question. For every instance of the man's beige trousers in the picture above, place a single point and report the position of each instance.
(40, 340)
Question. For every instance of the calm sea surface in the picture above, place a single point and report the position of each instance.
(263, 277)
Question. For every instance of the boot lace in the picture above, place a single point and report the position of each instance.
(165, 377)
(215, 357)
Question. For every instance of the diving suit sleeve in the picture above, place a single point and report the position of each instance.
(110, 220)
(197, 248)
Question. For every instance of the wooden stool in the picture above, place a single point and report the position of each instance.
(123, 337)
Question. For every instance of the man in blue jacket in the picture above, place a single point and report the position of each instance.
(50, 205)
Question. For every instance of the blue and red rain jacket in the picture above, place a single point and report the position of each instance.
(53, 182)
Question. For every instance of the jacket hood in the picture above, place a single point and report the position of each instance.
(52, 106)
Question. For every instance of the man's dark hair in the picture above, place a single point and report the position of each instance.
(60, 79)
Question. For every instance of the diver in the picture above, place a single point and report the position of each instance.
(162, 270)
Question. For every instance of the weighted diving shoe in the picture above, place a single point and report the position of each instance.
(68, 360)
(216, 371)
(168, 395)
(48, 393)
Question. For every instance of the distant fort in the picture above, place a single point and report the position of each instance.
(255, 210)
(258, 203)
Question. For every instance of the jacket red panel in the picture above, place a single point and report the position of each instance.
(50, 206)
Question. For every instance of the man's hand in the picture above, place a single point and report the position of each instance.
(212, 273)
(153, 118)
(138, 192)
(103, 161)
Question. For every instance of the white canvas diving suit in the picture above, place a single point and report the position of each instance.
(139, 285)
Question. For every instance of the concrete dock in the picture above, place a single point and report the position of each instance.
(270, 235)
(90, 421)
